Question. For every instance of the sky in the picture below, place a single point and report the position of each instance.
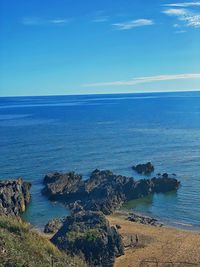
(60, 47)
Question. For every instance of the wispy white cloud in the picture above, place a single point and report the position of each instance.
(181, 31)
(176, 25)
(132, 24)
(59, 21)
(183, 4)
(36, 21)
(189, 18)
(175, 12)
(148, 79)
(100, 16)
(101, 19)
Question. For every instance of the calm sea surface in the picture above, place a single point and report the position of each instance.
(80, 133)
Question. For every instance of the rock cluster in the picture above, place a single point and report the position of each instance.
(103, 191)
(146, 168)
(89, 234)
(143, 219)
(14, 196)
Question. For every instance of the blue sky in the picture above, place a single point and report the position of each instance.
(98, 46)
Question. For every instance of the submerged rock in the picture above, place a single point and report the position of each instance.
(14, 196)
(146, 168)
(89, 234)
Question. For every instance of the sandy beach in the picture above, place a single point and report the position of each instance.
(156, 246)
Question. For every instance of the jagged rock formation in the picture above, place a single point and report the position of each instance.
(88, 233)
(146, 168)
(14, 196)
(58, 186)
(104, 191)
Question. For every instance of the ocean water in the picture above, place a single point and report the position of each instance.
(80, 133)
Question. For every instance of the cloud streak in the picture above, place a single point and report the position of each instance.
(189, 18)
(184, 4)
(101, 19)
(147, 79)
(35, 21)
(128, 25)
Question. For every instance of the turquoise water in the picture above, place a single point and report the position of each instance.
(81, 133)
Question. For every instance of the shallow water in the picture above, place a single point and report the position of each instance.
(81, 133)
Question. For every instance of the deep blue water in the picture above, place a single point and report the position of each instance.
(81, 133)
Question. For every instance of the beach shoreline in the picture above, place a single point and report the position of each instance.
(159, 244)
(163, 222)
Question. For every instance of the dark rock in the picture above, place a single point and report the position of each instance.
(14, 196)
(143, 219)
(146, 168)
(89, 234)
(53, 226)
(76, 207)
(118, 226)
(164, 184)
(104, 191)
(165, 175)
(58, 185)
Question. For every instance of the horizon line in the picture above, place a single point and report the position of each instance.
(121, 93)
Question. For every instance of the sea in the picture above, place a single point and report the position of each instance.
(43, 134)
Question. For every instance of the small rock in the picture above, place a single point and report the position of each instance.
(146, 168)
(165, 175)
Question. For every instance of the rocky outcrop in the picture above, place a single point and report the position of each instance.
(146, 168)
(60, 185)
(164, 183)
(89, 234)
(53, 226)
(104, 191)
(14, 196)
(143, 219)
